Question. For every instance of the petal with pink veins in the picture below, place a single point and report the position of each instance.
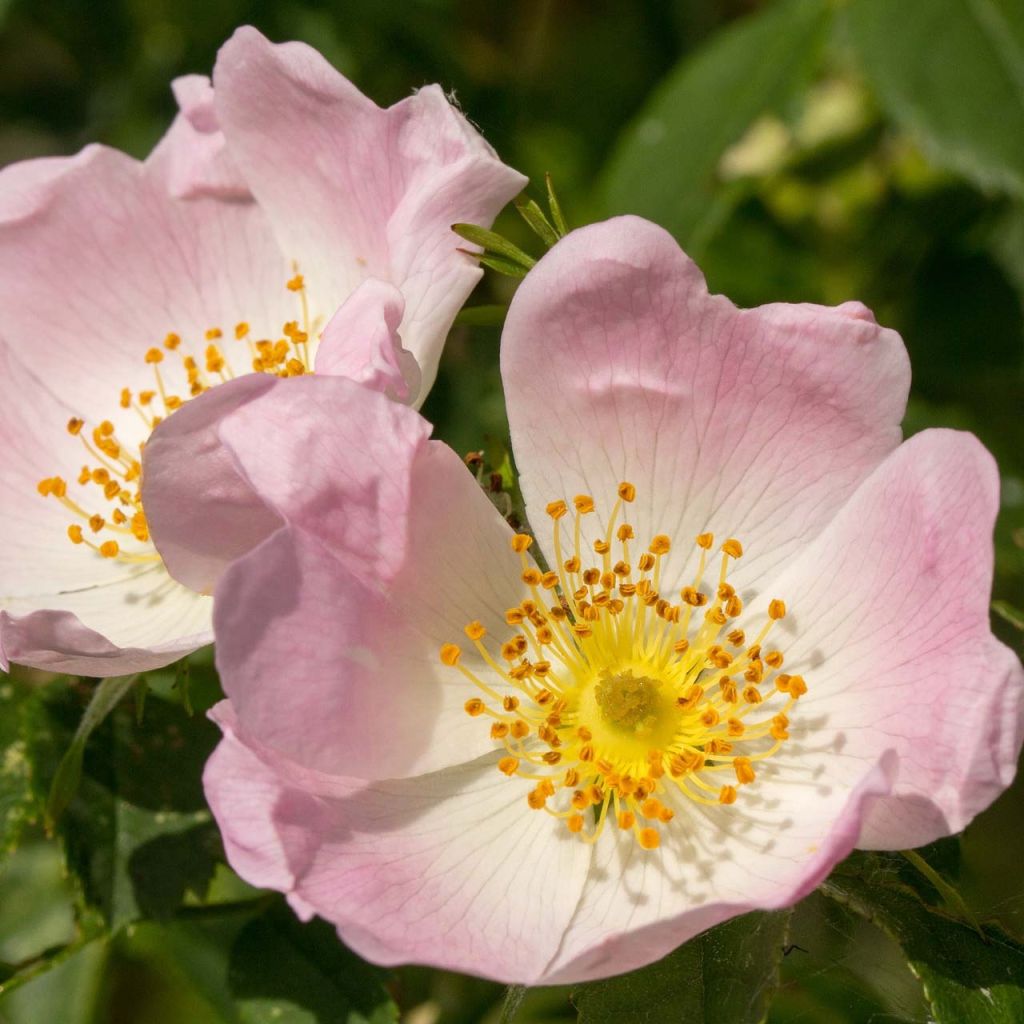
(192, 155)
(357, 191)
(448, 869)
(755, 423)
(361, 342)
(382, 593)
(888, 622)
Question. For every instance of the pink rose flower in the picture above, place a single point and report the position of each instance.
(755, 634)
(279, 193)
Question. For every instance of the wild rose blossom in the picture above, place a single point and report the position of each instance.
(755, 633)
(279, 193)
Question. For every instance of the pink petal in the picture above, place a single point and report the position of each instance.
(202, 511)
(357, 191)
(749, 423)
(334, 458)
(57, 641)
(91, 247)
(361, 342)
(889, 625)
(636, 908)
(450, 869)
(65, 608)
(419, 552)
(192, 156)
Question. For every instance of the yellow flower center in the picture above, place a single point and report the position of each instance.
(107, 502)
(616, 696)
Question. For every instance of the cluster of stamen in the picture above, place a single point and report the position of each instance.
(111, 478)
(611, 696)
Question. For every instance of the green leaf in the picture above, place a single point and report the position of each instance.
(664, 166)
(534, 217)
(494, 244)
(501, 265)
(727, 974)
(22, 735)
(265, 967)
(952, 73)
(557, 217)
(967, 978)
(105, 698)
(1006, 611)
(138, 836)
(66, 988)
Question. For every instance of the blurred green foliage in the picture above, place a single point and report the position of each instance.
(801, 150)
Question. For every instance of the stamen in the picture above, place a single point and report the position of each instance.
(115, 468)
(627, 699)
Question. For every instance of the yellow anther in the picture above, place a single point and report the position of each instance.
(727, 795)
(145, 397)
(752, 695)
(172, 341)
(75, 533)
(660, 545)
(241, 330)
(602, 547)
(109, 549)
(532, 577)
(126, 398)
(520, 729)
(776, 609)
(556, 509)
(650, 807)
(475, 630)
(735, 728)
(797, 687)
(75, 425)
(627, 492)
(705, 541)
(508, 765)
(536, 799)
(154, 355)
(213, 333)
(709, 717)
(105, 429)
(774, 659)
(645, 563)
(510, 703)
(450, 654)
(779, 728)
(694, 695)
(574, 823)
(744, 769)
(583, 503)
(96, 523)
(499, 730)
(648, 839)
(297, 283)
(733, 548)
(549, 580)
(625, 820)
(521, 541)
